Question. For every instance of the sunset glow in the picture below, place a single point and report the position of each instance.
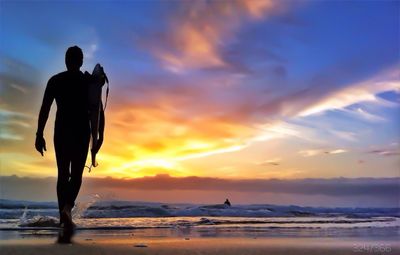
(249, 90)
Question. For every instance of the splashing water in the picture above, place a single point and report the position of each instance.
(23, 218)
(49, 221)
(80, 207)
(37, 221)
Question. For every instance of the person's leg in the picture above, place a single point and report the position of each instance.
(77, 166)
(63, 166)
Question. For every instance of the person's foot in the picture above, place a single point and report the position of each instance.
(65, 236)
(66, 217)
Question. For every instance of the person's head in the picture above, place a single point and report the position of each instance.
(74, 58)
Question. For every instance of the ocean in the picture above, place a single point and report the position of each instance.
(125, 215)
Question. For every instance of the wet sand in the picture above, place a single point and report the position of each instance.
(113, 243)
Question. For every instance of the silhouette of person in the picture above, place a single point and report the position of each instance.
(227, 202)
(72, 129)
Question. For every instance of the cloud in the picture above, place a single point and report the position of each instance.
(391, 149)
(273, 162)
(345, 135)
(9, 136)
(333, 187)
(161, 121)
(388, 152)
(361, 113)
(11, 124)
(168, 119)
(360, 92)
(90, 51)
(19, 88)
(335, 151)
(368, 116)
(163, 188)
(199, 30)
(310, 153)
(157, 135)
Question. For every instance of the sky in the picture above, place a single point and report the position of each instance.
(247, 90)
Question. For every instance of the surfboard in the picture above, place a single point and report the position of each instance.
(97, 81)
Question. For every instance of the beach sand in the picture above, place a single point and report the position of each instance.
(115, 243)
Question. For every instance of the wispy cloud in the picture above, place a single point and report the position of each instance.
(368, 116)
(337, 151)
(90, 50)
(11, 119)
(9, 136)
(345, 135)
(392, 149)
(273, 162)
(19, 88)
(387, 152)
(363, 114)
(315, 152)
(360, 92)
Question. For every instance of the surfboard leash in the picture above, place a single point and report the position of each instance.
(107, 91)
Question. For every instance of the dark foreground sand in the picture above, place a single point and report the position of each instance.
(115, 244)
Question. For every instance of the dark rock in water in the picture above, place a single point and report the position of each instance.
(299, 214)
(141, 245)
(40, 221)
(205, 221)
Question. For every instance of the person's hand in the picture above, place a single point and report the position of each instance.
(40, 144)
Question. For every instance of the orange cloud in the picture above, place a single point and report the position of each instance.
(147, 137)
(201, 28)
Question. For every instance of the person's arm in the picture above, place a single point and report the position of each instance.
(48, 98)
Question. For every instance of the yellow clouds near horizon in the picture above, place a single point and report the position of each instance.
(149, 140)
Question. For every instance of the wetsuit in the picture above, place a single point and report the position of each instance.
(71, 131)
